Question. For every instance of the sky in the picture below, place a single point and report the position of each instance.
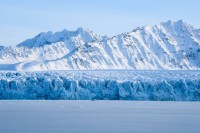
(23, 19)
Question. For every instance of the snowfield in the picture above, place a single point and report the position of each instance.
(99, 117)
(102, 85)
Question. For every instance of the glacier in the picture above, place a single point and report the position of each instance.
(101, 85)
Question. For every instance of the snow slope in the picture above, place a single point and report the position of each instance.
(45, 48)
(102, 85)
(168, 46)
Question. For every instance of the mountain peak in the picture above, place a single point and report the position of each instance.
(81, 29)
(46, 38)
(168, 23)
(173, 23)
(180, 21)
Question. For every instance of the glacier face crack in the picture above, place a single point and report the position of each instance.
(102, 85)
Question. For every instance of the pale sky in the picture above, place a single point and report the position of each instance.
(23, 19)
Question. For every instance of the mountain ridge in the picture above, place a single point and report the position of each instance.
(46, 38)
(166, 46)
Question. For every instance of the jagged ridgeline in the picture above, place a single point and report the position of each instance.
(169, 46)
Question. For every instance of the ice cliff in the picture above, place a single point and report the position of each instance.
(102, 85)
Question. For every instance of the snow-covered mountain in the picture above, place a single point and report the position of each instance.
(169, 45)
(79, 37)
